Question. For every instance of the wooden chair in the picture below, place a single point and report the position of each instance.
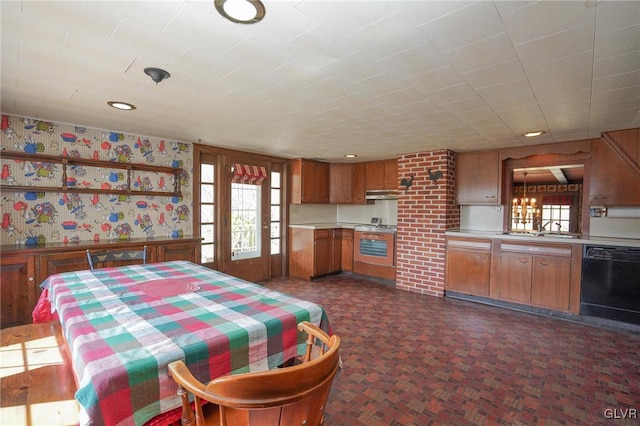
(116, 256)
(283, 396)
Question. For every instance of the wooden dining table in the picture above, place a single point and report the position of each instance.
(123, 326)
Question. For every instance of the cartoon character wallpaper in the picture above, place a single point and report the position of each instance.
(44, 216)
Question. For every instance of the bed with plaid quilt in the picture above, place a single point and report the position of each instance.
(124, 325)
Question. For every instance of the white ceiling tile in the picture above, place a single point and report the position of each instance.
(436, 79)
(560, 86)
(557, 46)
(614, 82)
(509, 89)
(614, 15)
(495, 74)
(477, 21)
(615, 65)
(618, 42)
(543, 18)
(482, 54)
(561, 68)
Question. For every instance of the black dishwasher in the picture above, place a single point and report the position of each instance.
(611, 283)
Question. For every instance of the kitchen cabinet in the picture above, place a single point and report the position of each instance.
(347, 183)
(24, 268)
(314, 252)
(347, 250)
(478, 178)
(309, 181)
(537, 274)
(381, 175)
(18, 289)
(614, 175)
(358, 183)
(468, 266)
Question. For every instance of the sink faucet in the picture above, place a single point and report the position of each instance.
(541, 227)
(559, 227)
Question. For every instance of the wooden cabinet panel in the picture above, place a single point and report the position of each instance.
(18, 289)
(391, 174)
(347, 250)
(336, 250)
(66, 261)
(358, 184)
(309, 182)
(381, 175)
(468, 266)
(182, 251)
(374, 175)
(550, 282)
(515, 277)
(612, 182)
(322, 247)
(478, 178)
(341, 183)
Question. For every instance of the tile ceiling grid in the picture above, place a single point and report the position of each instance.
(318, 79)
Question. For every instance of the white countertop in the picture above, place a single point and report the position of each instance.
(626, 242)
(325, 225)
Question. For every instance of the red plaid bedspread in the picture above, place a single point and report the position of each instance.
(124, 325)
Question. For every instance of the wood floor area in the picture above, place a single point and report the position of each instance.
(408, 359)
(36, 382)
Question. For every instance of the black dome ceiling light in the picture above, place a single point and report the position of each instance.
(156, 74)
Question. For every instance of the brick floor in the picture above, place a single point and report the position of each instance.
(412, 359)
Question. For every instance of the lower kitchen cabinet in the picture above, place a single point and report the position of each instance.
(18, 289)
(23, 269)
(544, 275)
(347, 250)
(468, 266)
(538, 274)
(314, 252)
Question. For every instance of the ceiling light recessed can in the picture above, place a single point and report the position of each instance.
(241, 11)
(350, 155)
(121, 105)
(533, 134)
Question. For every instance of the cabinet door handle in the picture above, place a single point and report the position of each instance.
(30, 279)
(524, 261)
(543, 263)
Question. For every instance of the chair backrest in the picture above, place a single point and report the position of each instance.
(289, 395)
(117, 257)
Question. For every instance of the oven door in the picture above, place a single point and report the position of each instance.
(377, 248)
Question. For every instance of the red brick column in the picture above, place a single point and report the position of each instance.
(425, 211)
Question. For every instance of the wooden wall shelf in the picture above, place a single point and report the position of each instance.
(65, 161)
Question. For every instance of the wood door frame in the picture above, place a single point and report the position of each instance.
(223, 160)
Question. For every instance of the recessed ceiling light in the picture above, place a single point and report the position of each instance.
(241, 11)
(121, 105)
(533, 134)
(350, 155)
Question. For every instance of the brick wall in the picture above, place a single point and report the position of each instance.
(425, 211)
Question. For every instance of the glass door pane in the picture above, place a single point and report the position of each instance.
(245, 221)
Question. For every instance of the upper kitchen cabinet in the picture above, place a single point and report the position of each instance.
(347, 184)
(381, 175)
(614, 176)
(478, 178)
(309, 182)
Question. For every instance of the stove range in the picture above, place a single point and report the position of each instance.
(387, 229)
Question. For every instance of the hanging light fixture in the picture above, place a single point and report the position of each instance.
(524, 210)
(241, 11)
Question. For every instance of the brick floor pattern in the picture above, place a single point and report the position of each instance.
(412, 359)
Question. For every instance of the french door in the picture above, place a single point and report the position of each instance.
(246, 218)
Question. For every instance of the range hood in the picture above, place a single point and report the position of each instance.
(381, 194)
